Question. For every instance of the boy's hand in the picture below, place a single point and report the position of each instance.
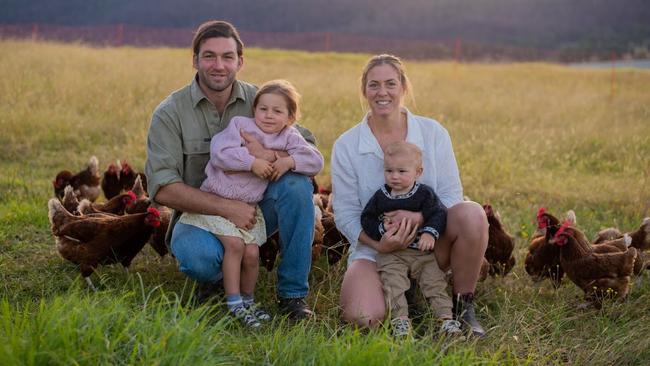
(281, 165)
(427, 242)
(398, 237)
(389, 224)
(262, 168)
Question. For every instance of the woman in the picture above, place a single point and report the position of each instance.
(357, 172)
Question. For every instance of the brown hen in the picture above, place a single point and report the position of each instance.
(93, 240)
(85, 183)
(599, 275)
(500, 245)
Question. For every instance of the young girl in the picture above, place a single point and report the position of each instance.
(234, 173)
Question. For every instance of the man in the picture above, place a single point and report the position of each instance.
(178, 146)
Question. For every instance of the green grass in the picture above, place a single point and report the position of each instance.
(525, 136)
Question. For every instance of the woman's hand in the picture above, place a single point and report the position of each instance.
(262, 168)
(398, 237)
(393, 218)
(280, 166)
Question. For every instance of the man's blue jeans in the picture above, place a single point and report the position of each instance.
(287, 206)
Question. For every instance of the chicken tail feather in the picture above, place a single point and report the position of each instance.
(93, 165)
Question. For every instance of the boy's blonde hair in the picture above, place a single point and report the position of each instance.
(285, 89)
(403, 148)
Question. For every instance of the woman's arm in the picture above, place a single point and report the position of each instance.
(346, 202)
(448, 186)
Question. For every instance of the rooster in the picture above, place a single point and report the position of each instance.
(500, 245)
(543, 258)
(93, 240)
(599, 275)
(85, 183)
(111, 185)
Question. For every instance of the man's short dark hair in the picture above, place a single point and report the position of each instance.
(216, 29)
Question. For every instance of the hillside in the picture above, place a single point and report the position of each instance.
(549, 29)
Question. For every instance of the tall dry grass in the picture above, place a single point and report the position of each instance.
(525, 135)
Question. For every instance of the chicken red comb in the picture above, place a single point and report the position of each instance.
(125, 166)
(322, 190)
(540, 212)
(132, 196)
(153, 211)
(562, 228)
(488, 209)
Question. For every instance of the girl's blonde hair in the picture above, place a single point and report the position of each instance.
(396, 63)
(286, 90)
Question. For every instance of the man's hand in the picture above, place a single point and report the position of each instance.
(262, 168)
(426, 242)
(242, 215)
(398, 237)
(281, 166)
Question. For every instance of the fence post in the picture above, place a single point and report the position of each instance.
(119, 40)
(328, 41)
(612, 83)
(34, 32)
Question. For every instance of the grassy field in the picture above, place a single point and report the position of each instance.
(525, 136)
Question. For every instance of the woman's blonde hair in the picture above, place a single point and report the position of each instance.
(396, 63)
(286, 90)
